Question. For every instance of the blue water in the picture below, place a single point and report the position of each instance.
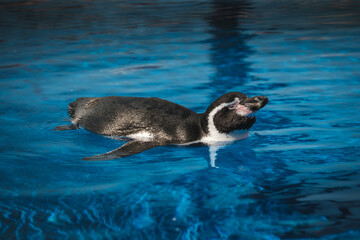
(296, 176)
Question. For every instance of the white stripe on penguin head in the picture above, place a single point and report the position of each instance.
(211, 126)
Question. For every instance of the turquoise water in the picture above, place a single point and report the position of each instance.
(296, 176)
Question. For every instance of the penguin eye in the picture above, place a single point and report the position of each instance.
(233, 105)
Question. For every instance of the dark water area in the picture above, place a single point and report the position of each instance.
(297, 176)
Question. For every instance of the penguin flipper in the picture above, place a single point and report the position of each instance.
(128, 149)
(66, 127)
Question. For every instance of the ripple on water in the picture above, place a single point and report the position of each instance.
(296, 176)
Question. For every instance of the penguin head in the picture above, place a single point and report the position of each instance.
(232, 111)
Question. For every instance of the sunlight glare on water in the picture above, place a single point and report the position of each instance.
(296, 176)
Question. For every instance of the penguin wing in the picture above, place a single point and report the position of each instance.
(128, 149)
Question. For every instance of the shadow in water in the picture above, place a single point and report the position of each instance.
(228, 50)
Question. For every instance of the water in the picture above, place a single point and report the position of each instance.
(296, 176)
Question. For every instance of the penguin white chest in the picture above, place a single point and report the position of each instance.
(142, 135)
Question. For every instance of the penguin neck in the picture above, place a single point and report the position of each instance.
(204, 123)
(226, 126)
(211, 134)
(207, 121)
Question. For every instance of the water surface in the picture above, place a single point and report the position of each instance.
(296, 176)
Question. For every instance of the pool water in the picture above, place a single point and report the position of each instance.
(296, 176)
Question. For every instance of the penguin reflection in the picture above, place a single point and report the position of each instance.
(228, 52)
(228, 46)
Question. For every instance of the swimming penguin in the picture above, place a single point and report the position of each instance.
(151, 122)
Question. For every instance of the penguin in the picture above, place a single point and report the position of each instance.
(146, 123)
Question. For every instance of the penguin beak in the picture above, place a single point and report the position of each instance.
(255, 103)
